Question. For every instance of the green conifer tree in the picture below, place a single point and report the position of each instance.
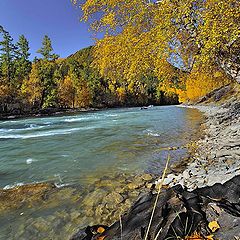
(22, 64)
(7, 56)
(46, 49)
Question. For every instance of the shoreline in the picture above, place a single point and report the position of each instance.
(69, 111)
(215, 166)
(218, 151)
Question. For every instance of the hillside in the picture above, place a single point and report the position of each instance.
(74, 83)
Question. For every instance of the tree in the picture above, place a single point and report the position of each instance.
(32, 88)
(46, 69)
(41, 88)
(22, 63)
(46, 49)
(66, 93)
(144, 37)
(7, 49)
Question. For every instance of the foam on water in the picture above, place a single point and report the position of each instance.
(74, 119)
(43, 134)
(86, 118)
(61, 185)
(152, 133)
(11, 186)
(28, 127)
(20, 184)
(30, 160)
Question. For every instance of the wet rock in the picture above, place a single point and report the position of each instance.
(27, 194)
(113, 199)
(41, 225)
(147, 177)
(74, 215)
(94, 197)
(133, 194)
(192, 208)
(135, 184)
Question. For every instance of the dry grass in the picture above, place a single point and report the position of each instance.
(156, 200)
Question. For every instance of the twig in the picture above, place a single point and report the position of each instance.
(157, 197)
(121, 227)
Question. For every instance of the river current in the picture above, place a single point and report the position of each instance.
(79, 148)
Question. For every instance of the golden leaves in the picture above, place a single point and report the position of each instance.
(198, 236)
(138, 36)
(201, 81)
(214, 226)
(101, 230)
(194, 236)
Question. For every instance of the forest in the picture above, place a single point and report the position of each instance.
(50, 82)
(151, 52)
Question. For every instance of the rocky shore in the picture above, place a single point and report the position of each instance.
(217, 156)
(210, 180)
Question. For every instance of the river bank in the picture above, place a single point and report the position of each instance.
(217, 155)
(211, 169)
(51, 112)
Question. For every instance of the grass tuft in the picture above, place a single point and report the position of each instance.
(156, 200)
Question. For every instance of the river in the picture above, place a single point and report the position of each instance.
(77, 149)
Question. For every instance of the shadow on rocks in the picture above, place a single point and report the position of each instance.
(179, 213)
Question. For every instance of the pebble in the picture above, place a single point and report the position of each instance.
(218, 153)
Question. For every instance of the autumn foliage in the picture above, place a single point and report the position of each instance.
(143, 38)
(150, 52)
(74, 82)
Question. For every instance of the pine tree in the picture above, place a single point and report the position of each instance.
(46, 67)
(46, 49)
(8, 54)
(22, 64)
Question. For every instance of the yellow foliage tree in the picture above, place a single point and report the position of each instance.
(83, 96)
(200, 82)
(66, 93)
(146, 37)
(32, 88)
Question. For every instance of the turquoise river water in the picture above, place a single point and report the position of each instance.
(71, 149)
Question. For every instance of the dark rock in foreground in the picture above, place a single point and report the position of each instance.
(178, 214)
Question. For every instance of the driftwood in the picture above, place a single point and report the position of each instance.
(179, 213)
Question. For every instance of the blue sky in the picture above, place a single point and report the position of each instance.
(58, 19)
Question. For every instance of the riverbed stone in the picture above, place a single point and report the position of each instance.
(113, 199)
(94, 197)
(136, 183)
(27, 194)
(147, 177)
(75, 215)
